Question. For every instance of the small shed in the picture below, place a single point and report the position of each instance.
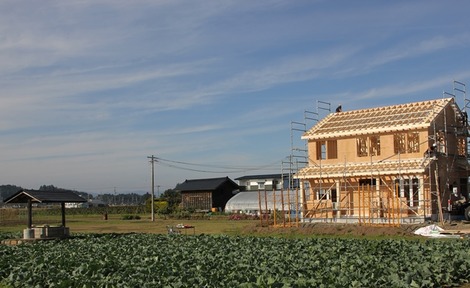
(37, 196)
(207, 194)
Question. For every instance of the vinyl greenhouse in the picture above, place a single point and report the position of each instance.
(265, 201)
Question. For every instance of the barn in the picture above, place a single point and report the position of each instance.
(206, 194)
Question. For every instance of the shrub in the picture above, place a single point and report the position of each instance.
(130, 217)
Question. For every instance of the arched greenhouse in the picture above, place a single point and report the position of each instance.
(251, 202)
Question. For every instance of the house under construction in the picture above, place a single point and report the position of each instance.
(387, 165)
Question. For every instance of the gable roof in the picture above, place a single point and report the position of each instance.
(204, 184)
(417, 115)
(44, 197)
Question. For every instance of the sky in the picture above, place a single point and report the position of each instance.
(90, 89)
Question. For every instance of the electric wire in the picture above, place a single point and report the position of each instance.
(227, 169)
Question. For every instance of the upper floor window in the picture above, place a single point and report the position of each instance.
(413, 142)
(441, 142)
(361, 143)
(374, 145)
(462, 146)
(399, 143)
(406, 142)
(368, 146)
(321, 150)
(326, 150)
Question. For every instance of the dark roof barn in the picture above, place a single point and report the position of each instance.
(206, 194)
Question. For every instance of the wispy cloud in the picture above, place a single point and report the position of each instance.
(420, 48)
(89, 88)
(431, 88)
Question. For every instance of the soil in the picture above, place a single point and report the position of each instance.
(356, 230)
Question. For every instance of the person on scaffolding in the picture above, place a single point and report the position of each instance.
(431, 152)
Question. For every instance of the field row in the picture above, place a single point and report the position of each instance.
(156, 260)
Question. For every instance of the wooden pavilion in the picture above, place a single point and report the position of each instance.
(35, 196)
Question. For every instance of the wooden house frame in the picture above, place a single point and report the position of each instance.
(386, 165)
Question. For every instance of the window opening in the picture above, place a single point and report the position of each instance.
(441, 145)
(461, 146)
(361, 146)
(321, 150)
(413, 142)
(374, 145)
(399, 143)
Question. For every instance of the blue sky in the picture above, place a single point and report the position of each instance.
(90, 88)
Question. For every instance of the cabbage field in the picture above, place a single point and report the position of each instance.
(152, 260)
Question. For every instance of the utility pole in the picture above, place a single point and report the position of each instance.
(153, 159)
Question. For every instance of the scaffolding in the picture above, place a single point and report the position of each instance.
(288, 207)
(298, 157)
(280, 208)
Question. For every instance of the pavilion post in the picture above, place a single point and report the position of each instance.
(63, 213)
(30, 214)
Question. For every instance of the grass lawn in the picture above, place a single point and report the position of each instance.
(116, 224)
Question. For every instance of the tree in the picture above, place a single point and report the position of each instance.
(173, 198)
(8, 190)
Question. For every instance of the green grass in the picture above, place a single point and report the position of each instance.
(116, 224)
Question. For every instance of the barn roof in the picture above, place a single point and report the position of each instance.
(204, 184)
(417, 115)
(44, 197)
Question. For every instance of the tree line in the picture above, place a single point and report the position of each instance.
(172, 197)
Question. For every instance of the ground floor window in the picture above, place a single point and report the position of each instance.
(408, 188)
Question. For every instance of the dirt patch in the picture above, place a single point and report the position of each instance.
(355, 230)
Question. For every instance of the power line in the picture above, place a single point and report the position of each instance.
(228, 169)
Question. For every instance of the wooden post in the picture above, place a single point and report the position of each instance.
(274, 207)
(297, 207)
(289, 220)
(283, 208)
(63, 213)
(260, 208)
(30, 214)
(358, 203)
(439, 204)
(304, 200)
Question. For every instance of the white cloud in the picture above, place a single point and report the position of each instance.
(89, 88)
(412, 49)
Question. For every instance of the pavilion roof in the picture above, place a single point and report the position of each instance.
(39, 196)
